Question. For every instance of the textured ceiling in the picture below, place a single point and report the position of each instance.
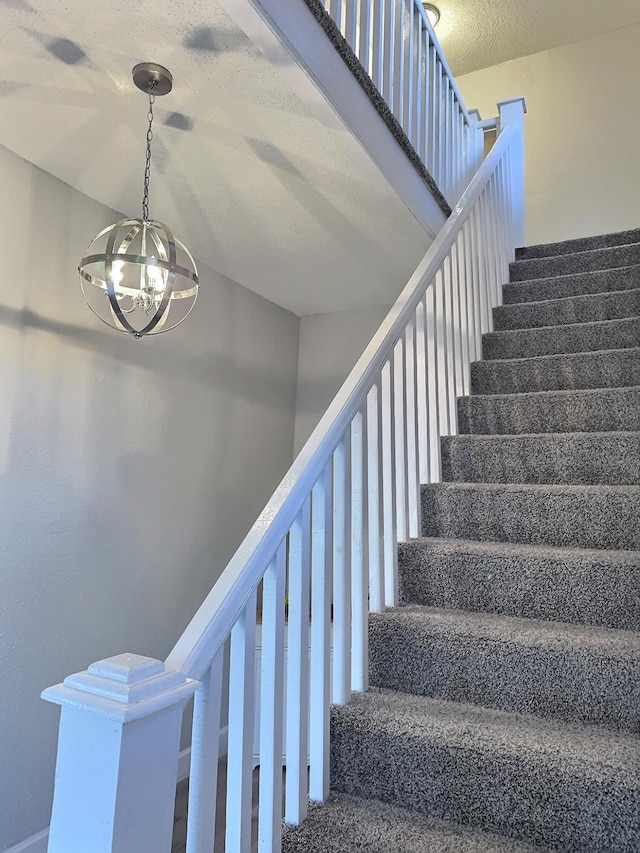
(242, 171)
(478, 33)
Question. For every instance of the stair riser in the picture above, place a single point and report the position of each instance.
(599, 411)
(568, 684)
(609, 369)
(523, 798)
(587, 588)
(599, 259)
(577, 284)
(589, 518)
(560, 312)
(580, 244)
(527, 343)
(613, 458)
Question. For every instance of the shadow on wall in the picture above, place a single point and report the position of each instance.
(212, 370)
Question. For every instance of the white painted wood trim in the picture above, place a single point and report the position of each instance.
(212, 623)
(38, 843)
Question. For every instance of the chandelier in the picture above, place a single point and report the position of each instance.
(143, 280)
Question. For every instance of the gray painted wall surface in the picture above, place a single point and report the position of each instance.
(130, 470)
(330, 345)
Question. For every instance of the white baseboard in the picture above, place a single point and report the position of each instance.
(38, 843)
(35, 844)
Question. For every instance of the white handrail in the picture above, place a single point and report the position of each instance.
(326, 543)
(211, 625)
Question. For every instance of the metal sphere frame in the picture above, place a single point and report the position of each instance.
(154, 279)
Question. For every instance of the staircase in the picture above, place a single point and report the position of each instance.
(504, 707)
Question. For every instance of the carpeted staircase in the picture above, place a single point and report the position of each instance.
(504, 711)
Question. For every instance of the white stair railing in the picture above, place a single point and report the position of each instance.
(395, 44)
(322, 555)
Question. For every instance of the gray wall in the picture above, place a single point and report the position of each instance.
(330, 345)
(130, 470)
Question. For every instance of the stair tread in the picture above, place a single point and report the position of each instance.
(518, 631)
(633, 352)
(542, 488)
(559, 302)
(557, 340)
(572, 284)
(520, 549)
(610, 257)
(570, 246)
(348, 824)
(610, 368)
(590, 751)
(568, 457)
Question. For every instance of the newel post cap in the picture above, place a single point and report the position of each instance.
(125, 688)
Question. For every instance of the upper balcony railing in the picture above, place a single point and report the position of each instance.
(396, 46)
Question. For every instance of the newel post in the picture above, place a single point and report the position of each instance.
(117, 756)
(512, 113)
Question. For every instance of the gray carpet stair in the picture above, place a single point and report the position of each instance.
(586, 410)
(611, 368)
(586, 261)
(614, 305)
(533, 514)
(572, 284)
(350, 824)
(577, 585)
(504, 700)
(552, 340)
(580, 244)
(560, 785)
(583, 458)
(576, 673)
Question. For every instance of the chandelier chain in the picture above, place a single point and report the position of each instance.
(147, 167)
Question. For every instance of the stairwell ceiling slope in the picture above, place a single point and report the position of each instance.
(245, 173)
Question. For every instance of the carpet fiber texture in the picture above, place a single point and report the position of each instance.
(503, 712)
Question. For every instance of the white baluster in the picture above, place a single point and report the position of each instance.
(409, 63)
(351, 24)
(375, 493)
(399, 62)
(422, 403)
(359, 572)
(241, 729)
(377, 46)
(321, 560)
(400, 441)
(341, 684)
(389, 57)
(364, 50)
(413, 476)
(459, 320)
(390, 552)
(442, 353)
(297, 709)
(419, 97)
(203, 773)
(433, 376)
(272, 704)
(336, 8)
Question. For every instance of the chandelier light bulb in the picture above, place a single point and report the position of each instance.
(142, 280)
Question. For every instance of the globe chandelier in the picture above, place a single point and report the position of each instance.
(135, 275)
